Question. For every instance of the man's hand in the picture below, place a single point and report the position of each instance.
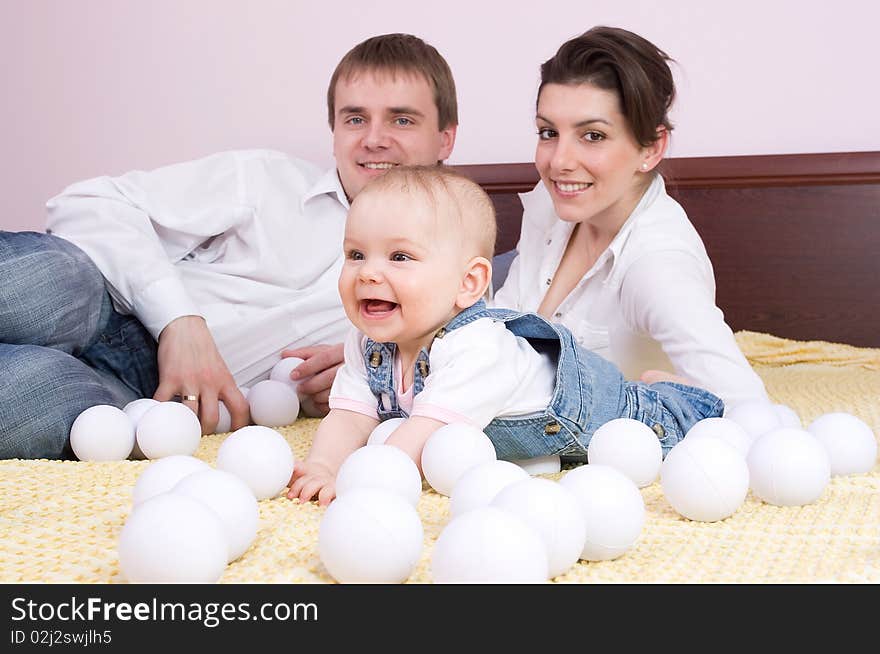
(190, 365)
(315, 375)
(312, 478)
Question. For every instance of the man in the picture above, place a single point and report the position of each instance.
(189, 281)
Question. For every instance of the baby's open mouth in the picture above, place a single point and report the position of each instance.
(377, 307)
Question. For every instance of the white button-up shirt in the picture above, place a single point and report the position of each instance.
(647, 303)
(250, 240)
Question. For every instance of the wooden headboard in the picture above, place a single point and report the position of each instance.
(794, 239)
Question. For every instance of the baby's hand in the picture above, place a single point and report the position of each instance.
(310, 479)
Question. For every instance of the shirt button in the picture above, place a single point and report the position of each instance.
(549, 241)
(549, 279)
(557, 315)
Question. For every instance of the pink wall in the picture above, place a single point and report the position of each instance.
(96, 87)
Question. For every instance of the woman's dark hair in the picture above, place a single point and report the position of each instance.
(617, 60)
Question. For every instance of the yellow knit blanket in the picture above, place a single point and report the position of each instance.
(60, 521)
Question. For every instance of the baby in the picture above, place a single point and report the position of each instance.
(418, 247)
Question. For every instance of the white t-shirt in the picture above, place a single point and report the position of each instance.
(478, 372)
(250, 240)
(647, 303)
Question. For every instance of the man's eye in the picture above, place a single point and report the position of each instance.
(545, 133)
(355, 120)
(400, 256)
(403, 122)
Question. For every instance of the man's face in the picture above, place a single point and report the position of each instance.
(384, 120)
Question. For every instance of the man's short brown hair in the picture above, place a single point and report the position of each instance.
(399, 53)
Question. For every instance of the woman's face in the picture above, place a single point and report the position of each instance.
(587, 155)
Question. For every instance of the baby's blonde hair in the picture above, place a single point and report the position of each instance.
(443, 187)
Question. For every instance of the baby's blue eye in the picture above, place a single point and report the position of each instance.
(400, 256)
(355, 255)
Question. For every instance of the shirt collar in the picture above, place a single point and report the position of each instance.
(327, 184)
(655, 189)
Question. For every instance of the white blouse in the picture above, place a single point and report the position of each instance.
(647, 303)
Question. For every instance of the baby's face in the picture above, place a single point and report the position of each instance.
(403, 268)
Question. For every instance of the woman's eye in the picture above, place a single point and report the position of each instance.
(545, 133)
(594, 136)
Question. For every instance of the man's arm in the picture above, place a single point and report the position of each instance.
(136, 228)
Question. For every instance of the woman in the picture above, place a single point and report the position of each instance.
(603, 249)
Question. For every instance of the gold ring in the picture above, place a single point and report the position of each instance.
(190, 398)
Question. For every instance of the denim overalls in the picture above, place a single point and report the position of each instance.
(589, 392)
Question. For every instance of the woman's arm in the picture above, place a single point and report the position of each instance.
(668, 296)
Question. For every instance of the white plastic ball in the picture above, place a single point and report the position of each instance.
(162, 475)
(757, 417)
(788, 417)
(630, 446)
(260, 456)
(849, 441)
(540, 465)
(134, 410)
(383, 430)
(168, 428)
(231, 499)
(788, 467)
(479, 485)
(704, 479)
(551, 510)
(723, 428)
(102, 433)
(172, 538)
(380, 466)
(273, 403)
(137, 408)
(612, 508)
(224, 422)
(370, 535)
(488, 545)
(281, 371)
(451, 450)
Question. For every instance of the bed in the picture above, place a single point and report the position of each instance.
(793, 239)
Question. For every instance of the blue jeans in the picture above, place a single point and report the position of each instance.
(63, 347)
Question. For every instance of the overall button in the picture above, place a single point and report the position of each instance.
(552, 428)
(376, 359)
(658, 429)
